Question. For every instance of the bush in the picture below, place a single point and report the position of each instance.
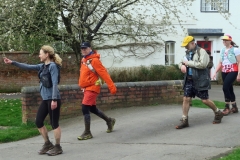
(142, 73)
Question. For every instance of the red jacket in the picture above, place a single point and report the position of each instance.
(88, 78)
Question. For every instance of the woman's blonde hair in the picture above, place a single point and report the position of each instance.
(52, 55)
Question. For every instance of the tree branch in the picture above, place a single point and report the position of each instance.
(91, 12)
(124, 6)
(67, 23)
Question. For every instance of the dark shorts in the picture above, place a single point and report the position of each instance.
(190, 91)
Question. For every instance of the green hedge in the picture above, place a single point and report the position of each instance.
(152, 73)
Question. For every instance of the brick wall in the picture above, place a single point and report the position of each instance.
(12, 79)
(128, 94)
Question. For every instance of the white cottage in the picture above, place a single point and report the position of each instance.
(207, 31)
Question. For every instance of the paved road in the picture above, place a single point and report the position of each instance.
(141, 133)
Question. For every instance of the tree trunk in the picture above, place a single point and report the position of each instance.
(77, 50)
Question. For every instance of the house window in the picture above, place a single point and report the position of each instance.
(214, 5)
(169, 52)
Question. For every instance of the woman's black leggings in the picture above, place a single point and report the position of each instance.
(228, 79)
(44, 110)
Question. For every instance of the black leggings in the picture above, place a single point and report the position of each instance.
(44, 110)
(228, 79)
(87, 108)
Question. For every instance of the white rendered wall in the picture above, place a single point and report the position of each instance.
(118, 58)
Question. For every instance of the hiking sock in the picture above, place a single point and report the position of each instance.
(234, 105)
(87, 122)
(47, 140)
(227, 105)
(184, 117)
(57, 141)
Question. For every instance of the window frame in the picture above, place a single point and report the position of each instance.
(168, 55)
(212, 11)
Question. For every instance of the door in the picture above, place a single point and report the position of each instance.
(207, 45)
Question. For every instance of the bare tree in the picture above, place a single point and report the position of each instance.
(24, 25)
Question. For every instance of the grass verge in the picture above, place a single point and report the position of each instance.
(11, 126)
(234, 155)
(198, 103)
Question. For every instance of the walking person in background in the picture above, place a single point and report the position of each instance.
(92, 74)
(229, 64)
(49, 75)
(196, 80)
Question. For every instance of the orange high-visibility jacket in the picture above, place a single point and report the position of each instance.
(88, 78)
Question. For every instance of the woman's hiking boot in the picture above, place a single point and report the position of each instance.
(183, 123)
(234, 108)
(218, 117)
(226, 110)
(57, 149)
(46, 147)
(87, 133)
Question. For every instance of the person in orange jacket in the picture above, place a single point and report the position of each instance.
(92, 74)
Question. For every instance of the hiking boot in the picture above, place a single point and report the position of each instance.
(234, 108)
(183, 123)
(57, 149)
(109, 121)
(46, 147)
(86, 135)
(110, 125)
(218, 117)
(226, 111)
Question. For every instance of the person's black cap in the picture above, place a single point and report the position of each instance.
(85, 45)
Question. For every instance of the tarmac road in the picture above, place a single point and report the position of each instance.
(140, 133)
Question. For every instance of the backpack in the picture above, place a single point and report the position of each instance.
(45, 78)
(100, 81)
(210, 63)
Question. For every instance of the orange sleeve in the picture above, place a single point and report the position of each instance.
(102, 72)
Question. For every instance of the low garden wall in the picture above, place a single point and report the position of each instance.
(128, 94)
(12, 78)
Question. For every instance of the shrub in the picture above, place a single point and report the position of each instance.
(142, 73)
